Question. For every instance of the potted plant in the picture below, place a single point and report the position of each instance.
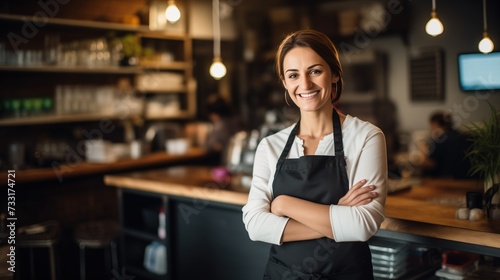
(131, 49)
(484, 155)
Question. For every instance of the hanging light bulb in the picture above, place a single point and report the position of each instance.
(172, 13)
(485, 45)
(217, 69)
(434, 26)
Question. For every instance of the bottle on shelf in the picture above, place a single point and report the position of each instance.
(162, 224)
(155, 256)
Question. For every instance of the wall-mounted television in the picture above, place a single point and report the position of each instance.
(478, 71)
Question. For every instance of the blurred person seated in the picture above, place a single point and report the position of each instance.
(214, 134)
(447, 149)
(224, 123)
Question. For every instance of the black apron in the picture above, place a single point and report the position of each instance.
(320, 179)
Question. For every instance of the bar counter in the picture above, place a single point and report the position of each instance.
(425, 213)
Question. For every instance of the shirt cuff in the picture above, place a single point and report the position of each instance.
(279, 229)
(336, 222)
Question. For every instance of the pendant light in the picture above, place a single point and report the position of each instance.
(485, 45)
(217, 69)
(172, 13)
(434, 26)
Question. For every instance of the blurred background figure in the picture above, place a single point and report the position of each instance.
(223, 125)
(447, 148)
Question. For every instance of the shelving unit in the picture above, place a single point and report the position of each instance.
(172, 61)
(139, 213)
(44, 78)
(197, 234)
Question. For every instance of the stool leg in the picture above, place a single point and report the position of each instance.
(107, 260)
(52, 263)
(32, 264)
(114, 256)
(82, 262)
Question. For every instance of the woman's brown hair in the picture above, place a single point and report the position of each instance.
(318, 42)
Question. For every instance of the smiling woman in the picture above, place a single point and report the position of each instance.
(316, 200)
(304, 82)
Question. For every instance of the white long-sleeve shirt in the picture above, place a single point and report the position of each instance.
(366, 158)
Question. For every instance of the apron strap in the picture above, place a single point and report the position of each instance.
(339, 149)
(337, 134)
(287, 148)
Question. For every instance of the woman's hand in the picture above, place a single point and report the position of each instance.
(358, 195)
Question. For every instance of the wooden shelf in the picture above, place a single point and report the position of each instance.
(139, 271)
(179, 89)
(77, 70)
(64, 170)
(141, 234)
(145, 67)
(48, 119)
(162, 35)
(52, 119)
(142, 30)
(178, 115)
(156, 65)
(77, 23)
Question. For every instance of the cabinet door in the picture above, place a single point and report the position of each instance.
(211, 237)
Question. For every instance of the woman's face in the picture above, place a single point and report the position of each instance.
(308, 79)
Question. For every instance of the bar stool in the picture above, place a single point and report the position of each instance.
(98, 235)
(42, 235)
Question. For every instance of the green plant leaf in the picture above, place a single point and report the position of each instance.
(484, 152)
(488, 195)
(131, 45)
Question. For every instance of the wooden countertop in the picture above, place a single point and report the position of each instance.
(427, 209)
(187, 181)
(71, 170)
